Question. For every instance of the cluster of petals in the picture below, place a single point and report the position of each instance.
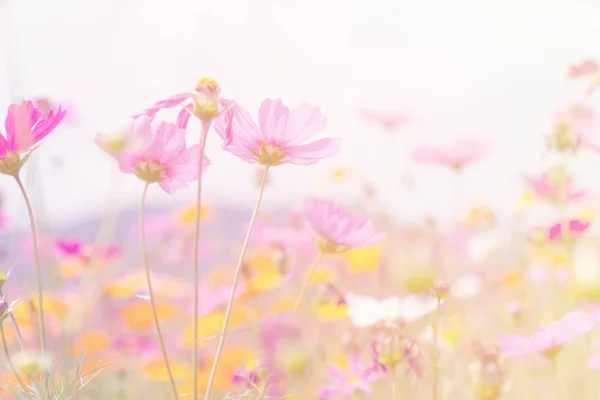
(156, 151)
(280, 135)
(549, 338)
(337, 228)
(25, 126)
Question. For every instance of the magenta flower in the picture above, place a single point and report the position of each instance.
(390, 120)
(203, 101)
(548, 339)
(26, 125)
(345, 383)
(576, 228)
(279, 136)
(456, 155)
(156, 152)
(545, 188)
(338, 229)
(585, 68)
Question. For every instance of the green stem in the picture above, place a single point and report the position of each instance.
(151, 293)
(307, 281)
(236, 276)
(10, 363)
(13, 320)
(38, 271)
(196, 267)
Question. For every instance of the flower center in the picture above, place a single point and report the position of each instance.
(11, 163)
(150, 171)
(206, 99)
(270, 154)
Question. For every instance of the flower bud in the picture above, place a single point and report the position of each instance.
(486, 376)
(206, 99)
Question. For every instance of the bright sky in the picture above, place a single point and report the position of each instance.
(494, 69)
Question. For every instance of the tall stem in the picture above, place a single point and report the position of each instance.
(10, 363)
(307, 281)
(203, 135)
(238, 269)
(38, 270)
(436, 353)
(151, 293)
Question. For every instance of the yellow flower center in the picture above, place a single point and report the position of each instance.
(150, 171)
(270, 154)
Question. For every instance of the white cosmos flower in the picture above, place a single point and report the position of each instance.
(365, 311)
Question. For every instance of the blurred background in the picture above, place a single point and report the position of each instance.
(487, 69)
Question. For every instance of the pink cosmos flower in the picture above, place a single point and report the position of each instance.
(548, 339)
(545, 188)
(585, 68)
(338, 229)
(279, 136)
(157, 152)
(26, 125)
(456, 155)
(390, 120)
(345, 383)
(576, 228)
(203, 101)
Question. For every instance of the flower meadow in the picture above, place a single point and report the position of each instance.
(322, 301)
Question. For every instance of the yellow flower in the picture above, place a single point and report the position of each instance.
(188, 214)
(211, 324)
(528, 198)
(330, 310)
(362, 259)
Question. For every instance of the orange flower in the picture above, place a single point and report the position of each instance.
(139, 315)
(92, 342)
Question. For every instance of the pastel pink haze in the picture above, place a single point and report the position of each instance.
(157, 152)
(456, 155)
(585, 68)
(551, 336)
(390, 119)
(279, 137)
(545, 188)
(26, 125)
(581, 120)
(337, 227)
(345, 383)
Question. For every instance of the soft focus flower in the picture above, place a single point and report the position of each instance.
(203, 101)
(286, 238)
(487, 379)
(574, 227)
(594, 361)
(546, 187)
(337, 229)
(157, 153)
(31, 362)
(279, 137)
(584, 68)
(573, 126)
(25, 125)
(456, 155)
(389, 120)
(48, 105)
(366, 311)
(548, 339)
(356, 379)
